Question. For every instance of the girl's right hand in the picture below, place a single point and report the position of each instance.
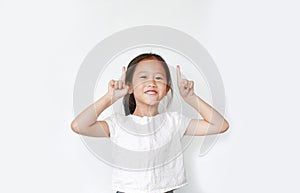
(117, 88)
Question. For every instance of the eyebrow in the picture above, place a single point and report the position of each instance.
(148, 72)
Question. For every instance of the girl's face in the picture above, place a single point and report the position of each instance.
(149, 82)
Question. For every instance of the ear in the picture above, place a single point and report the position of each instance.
(130, 90)
(167, 89)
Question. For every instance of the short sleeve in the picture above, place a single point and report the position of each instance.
(182, 122)
(111, 120)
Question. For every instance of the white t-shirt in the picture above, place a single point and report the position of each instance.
(147, 153)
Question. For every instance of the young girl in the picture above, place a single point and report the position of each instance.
(144, 138)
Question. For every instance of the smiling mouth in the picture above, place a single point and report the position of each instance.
(151, 92)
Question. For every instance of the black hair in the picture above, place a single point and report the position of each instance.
(129, 100)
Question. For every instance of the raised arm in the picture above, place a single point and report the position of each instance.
(86, 122)
(212, 122)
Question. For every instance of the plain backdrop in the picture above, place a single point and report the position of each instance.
(255, 45)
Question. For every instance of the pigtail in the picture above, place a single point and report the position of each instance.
(129, 104)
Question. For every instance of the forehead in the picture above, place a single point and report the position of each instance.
(150, 65)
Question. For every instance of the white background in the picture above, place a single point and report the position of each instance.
(255, 45)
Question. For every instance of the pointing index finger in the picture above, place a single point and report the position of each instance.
(123, 74)
(178, 73)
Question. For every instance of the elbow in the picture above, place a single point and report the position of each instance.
(74, 127)
(225, 126)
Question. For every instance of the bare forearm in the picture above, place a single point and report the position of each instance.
(206, 111)
(89, 116)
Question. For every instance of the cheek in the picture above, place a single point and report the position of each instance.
(164, 87)
(135, 84)
(137, 88)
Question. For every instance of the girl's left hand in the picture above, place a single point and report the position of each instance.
(186, 87)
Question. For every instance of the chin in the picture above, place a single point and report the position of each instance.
(152, 102)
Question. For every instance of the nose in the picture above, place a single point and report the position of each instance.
(152, 83)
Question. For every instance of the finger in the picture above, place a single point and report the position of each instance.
(116, 84)
(191, 91)
(112, 83)
(184, 83)
(120, 82)
(123, 78)
(178, 73)
(191, 84)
